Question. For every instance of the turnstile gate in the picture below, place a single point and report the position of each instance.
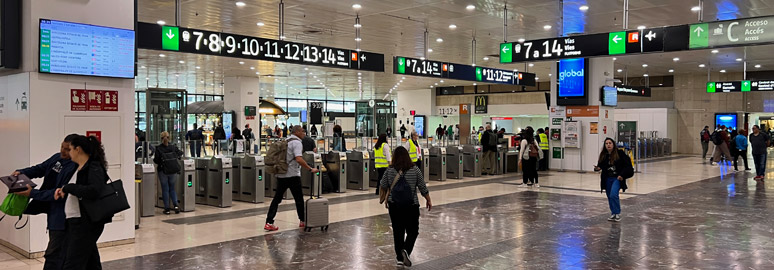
(219, 177)
(251, 183)
(148, 190)
(201, 179)
(358, 176)
(184, 187)
(471, 157)
(337, 170)
(511, 161)
(236, 176)
(308, 179)
(454, 162)
(438, 163)
(499, 159)
(425, 164)
(372, 172)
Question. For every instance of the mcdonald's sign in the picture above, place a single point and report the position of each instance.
(481, 103)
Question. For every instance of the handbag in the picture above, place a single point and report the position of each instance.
(384, 194)
(15, 205)
(111, 200)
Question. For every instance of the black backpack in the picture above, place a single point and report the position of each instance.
(492, 139)
(169, 163)
(401, 193)
(715, 137)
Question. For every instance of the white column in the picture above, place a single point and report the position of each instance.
(238, 93)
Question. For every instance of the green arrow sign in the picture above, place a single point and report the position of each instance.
(170, 39)
(616, 43)
(506, 52)
(478, 74)
(746, 86)
(699, 36)
(401, 65)
(711, 87)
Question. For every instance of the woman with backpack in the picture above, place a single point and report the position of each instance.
(167, 156)
(382, 157)
(530, 155)
(740, 143)
(616, 167)
(399, 190)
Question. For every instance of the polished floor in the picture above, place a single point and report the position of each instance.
(678, 213)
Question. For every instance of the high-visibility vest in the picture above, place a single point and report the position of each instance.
(413, 151)
(543, 141)
(380, 160)
(479, 136)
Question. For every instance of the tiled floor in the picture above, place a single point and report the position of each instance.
(678, 213)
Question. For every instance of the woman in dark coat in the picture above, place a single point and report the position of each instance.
(615, 167)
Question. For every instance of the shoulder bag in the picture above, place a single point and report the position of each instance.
(111, 200)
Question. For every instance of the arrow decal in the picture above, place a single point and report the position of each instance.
(170, 35)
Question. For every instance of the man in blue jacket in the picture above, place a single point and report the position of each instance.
(56, 172)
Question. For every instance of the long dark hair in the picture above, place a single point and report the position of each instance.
(528, 134)
(401, 161)
(92, 147)
(612, 156)
(381, 141)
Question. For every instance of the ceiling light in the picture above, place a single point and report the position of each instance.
(536, 78)
(160, 22)
(357, 25)
(436, 83)
(671, 71)
(181, 62)
(715, 51)
(676, 59)
(641, 27)
(452, 26)
(282, 37)
(422, 58)
(212, 84)
(470, 7)
(474, 84)
(316, 78)
(696, 8)
(198, 67)
(645, 75)
(441, 81)
(521, 40)
(358, 39)
(531, 64)
(439, 40)
(739, 59)
(142, 67)
(211, 72)
(177, 75)
(722, 71)
(357, 6)
(644, 65)
(429, 50)
(584, 8)
(202, 81)
(240, 4)
(757, 66)
(547, 27)
(241, 63)
(515, 70)
(619, 70)
(260, 24)
(549, 74)
(486, 58)
(257, 73)
(615, 58)
(162, 55)
(252, 68)
(702, 65)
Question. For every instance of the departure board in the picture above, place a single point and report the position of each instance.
(82, 49)
(435, 69)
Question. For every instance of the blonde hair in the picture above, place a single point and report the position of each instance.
(165, 138)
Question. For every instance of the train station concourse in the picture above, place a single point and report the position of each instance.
(366, 134)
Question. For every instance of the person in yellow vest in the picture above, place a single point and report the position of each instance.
(543, 142)
(382, 157)
(415, 152)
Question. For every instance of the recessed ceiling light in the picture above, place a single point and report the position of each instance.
(241, 63)
(436, 83)
(240, 4)
(441, 81)
(715, 51)
(671, 71)
(645, 75)
(696, 8)
(177, 75)
(620, 70)
(257, 73)
(515, 70)
(536, 78)
(282, 37)
(142, 67)
(702, 65)
(439, 40)
(722, 71)
(211, 72)
(521, 40)
(252, 68)
(202, 81)
(160, 22)
(357, 25)
(615, 58)
(429, 50)
(470, 7)
(641, 27)
(584, 8)
(198, 67)
(162, 55)
(547, 27)
(486, 58)
(181, 62)
(757, 66)
(260, 24)
(358, 39)
(549, 74)
(402, 78)
(452, 26)
(531, 64)
(644, 65)
(422, 58)
(739, 59)
(676, 59)
(357, 6)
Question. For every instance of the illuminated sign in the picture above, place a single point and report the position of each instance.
(434, 69)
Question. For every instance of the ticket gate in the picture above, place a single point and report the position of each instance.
(236, 176)
(201, 179)
(358, 176)
(471, 160)
(499, 159)
(219, 176)
(270, 187)
(511, 161)
(251, 182)
(137, 196)
(438, 163)
(148, 190)
(186, 185)
(372, 172)
(337, 170)
(454, 162)
(308, 179)
(425, 163)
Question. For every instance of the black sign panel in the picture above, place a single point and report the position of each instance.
(637, 91)
(763, 85)
(151, 36)
(652, 40)
(556, 48)
(435, 69)
(250, 111)
(315, 113)
(481, 104)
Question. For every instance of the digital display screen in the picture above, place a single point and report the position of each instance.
(572, 82)
(726, 119)
(228, 124)
(609, 96)
(419, 125)
(303, 116)
(434, 69)
(82, 49)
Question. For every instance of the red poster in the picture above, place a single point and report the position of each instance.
(110, 101)
(97, 134)
(95, 100)
(78, 100)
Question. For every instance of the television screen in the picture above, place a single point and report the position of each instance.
(419, 125)
(82, 49)
(726, 119)
(572, 82)
(609, 96)
(303, 116)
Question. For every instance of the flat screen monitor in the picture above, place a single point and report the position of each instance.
(83, 49)
(228, 123)
(609, 96)
(419, 125)
(303, 116)
(726, 119)
(572, 82)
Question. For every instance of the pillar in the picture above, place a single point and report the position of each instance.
(240, 92)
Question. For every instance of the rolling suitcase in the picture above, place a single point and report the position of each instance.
(316, 212)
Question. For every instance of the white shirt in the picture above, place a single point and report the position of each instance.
(387, 152)
(408, 148)
(72, 207)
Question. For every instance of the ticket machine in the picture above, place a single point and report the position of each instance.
(454, 162)
(337, 170)
(471, 160)
(358, 176)
(311, 180)
(219, 177)
(438, 163)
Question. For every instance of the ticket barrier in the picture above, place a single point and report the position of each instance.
(147, 190)
(236, 177)
(372, 172)
(499, 159)
(511, 161)
(454, 162)
(308, 179)
(357, 175)
(201, 179)
(270, 187)
(438, 163)
(471, 157)
(137, 196)
(336, 162)
(251, 183)
(219, 177)
(425, 161)
(184, 187)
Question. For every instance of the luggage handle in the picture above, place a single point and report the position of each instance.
(314, 176)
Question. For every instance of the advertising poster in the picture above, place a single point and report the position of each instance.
(593, 126)
(572, 134)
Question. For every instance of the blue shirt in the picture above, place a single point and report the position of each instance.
(741, 142)
(56, 172)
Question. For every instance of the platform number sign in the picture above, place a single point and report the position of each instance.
(315, 113)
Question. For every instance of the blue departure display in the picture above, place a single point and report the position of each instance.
(82, 49)
(729, 120)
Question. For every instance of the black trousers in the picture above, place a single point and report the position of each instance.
(743, 154)
(55, 251)
(405, 228)
(380, 173)
(529, 167)
(81, 244)
(544, 162)
(283, 184)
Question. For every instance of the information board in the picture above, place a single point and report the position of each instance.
(434, 69)
(638, 91)
(732, 33)
(82, 49)
(315, 113)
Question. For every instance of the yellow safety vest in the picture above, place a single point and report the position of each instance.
(479, 136)
(380, 160)
(413, 151)
(543, 141)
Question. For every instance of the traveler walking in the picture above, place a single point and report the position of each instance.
(415, 152)
(81, 232)
(195, 139)
(403, 131)
(56, 171)
(218, 135)
(400, 184)
(167, 156)
(389, 132)
(704, 137)
(721, 142)
(284, 131)
(740, 141)
(489, 146)
(382, 157)
(291, 179)
(615, 167)
(439, 133)
(529, 158)
(543, 139)
(760, 142)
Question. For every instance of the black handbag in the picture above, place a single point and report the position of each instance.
(111, 200)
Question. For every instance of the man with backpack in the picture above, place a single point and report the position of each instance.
(721, 141)
(704, 136)
(489, 146)
(194, 137)
(284, 159)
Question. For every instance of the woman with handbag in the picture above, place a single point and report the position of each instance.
(167, 156)
(615, 167)
(530, 155)
(90, 178)
(399, 189)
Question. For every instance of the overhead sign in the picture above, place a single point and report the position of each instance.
(172, 38)
(447, 110)
(732, 33)
(481, 104)
(740, 86)
(637, 91)
(428, 68)
(315, 113)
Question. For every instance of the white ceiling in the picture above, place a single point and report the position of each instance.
(396, 27)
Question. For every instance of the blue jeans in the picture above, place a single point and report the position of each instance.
(612, 188)
(760, 164)
(168, 188)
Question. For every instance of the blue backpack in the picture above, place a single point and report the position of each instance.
(401, 193)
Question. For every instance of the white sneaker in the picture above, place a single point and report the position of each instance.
(617, 218)
(611, 218)
(537, 185)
